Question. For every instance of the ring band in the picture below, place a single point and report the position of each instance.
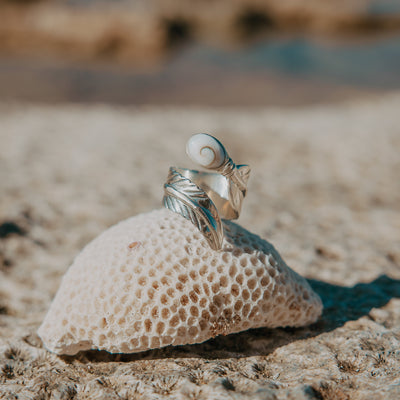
(205, 198)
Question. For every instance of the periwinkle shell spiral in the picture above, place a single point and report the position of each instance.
(206, 151)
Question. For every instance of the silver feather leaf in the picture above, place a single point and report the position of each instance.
(185, 198)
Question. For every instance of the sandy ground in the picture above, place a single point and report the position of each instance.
(325, 190)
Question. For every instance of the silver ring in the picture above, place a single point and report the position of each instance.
(205, 198)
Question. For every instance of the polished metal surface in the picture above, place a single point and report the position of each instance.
(205, 198)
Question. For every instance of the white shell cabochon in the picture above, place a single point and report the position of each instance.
(205, 150)
(152, 281)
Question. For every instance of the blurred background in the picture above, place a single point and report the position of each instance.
(97, 100)
(199, 52)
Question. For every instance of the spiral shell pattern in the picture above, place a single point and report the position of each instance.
(206, 151)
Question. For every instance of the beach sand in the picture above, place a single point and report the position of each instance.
(324, 190)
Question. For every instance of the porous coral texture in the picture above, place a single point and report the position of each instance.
(153, 280)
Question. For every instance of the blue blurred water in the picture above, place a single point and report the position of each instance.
(369, 63)
(278, 70)
(383, 7)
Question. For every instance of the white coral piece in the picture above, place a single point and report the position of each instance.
(153, 280)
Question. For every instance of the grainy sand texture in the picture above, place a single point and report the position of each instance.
(324, 190)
